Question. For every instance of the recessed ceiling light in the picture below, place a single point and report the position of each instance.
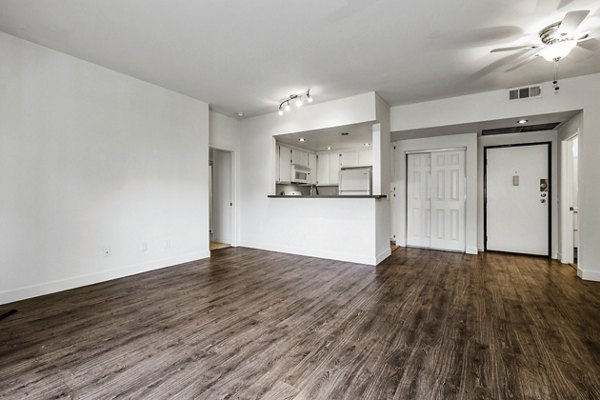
(240, 114)
(301, 139)
(345, 133)
(522, 121)
(367, 144)
(328, 147)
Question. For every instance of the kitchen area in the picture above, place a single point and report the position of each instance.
(326, 163)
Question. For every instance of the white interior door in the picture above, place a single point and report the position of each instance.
(418, 228)
(569, 201)
(448, 200)
(518, 199)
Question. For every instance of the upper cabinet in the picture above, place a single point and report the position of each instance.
(348, 159)
(365, 158)
(328, 168)
(356, 158)
(284, 162)
(312, 164)
(300, 157)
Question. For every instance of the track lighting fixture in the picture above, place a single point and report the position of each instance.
(285, 105)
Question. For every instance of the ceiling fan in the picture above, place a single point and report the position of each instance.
(557, 40)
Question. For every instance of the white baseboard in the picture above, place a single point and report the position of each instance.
(588, 275)
(382, 256)
(84, 280)
(471, 250)
(330, 255)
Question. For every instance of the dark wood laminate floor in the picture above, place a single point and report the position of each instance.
(252, 324)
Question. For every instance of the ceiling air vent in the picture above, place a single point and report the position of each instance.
(528, 92)
(517, 129)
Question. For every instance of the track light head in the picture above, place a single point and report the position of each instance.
(297, 99)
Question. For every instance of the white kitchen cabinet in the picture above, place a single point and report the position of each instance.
(312, 164)
(349, 158)
(284, 164)
(323, 169)
(334, 168)
(328, 169)
(365, 158)
(300, 157)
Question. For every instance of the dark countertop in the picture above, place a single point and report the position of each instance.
(378, 196)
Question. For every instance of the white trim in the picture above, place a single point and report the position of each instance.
(27, 292)
(329, 255)
(589, 275)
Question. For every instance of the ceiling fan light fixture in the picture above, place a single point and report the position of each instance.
(558, 50)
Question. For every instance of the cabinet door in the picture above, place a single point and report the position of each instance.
(365, 157)
(299, 157)
(323, 169)
(312, 163)
(349, 159)
(334, 168)
(285, 162)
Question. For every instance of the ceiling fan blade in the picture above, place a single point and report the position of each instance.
(501, 49)
(570, 22)
(589, 44)
(526, 61)
(579, 54)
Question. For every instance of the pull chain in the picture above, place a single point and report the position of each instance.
(555, 82)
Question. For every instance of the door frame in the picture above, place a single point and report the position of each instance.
(234, 192)
(432, 151)
(567, 255)
(550, 191)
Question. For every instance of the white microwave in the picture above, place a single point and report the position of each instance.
(300, 174)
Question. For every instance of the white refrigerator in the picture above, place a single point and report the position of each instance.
(356, 181)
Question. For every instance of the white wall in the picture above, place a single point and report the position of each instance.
(467, 141)
(529, 137)
(580, 93)
(93, 159)
(222, 196)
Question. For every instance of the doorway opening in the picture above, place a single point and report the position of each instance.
(221, 194)
(518, 198)
(436, 199)
(570, 200)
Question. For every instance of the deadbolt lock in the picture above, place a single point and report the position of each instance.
(543, 185)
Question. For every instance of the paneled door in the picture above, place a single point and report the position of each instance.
(436, 191)
(418, 200)
(448, 200)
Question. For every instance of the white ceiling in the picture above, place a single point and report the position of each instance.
(245, 56)
(319, 140)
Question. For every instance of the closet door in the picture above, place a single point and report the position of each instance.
(448, 200)
(418, 200)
